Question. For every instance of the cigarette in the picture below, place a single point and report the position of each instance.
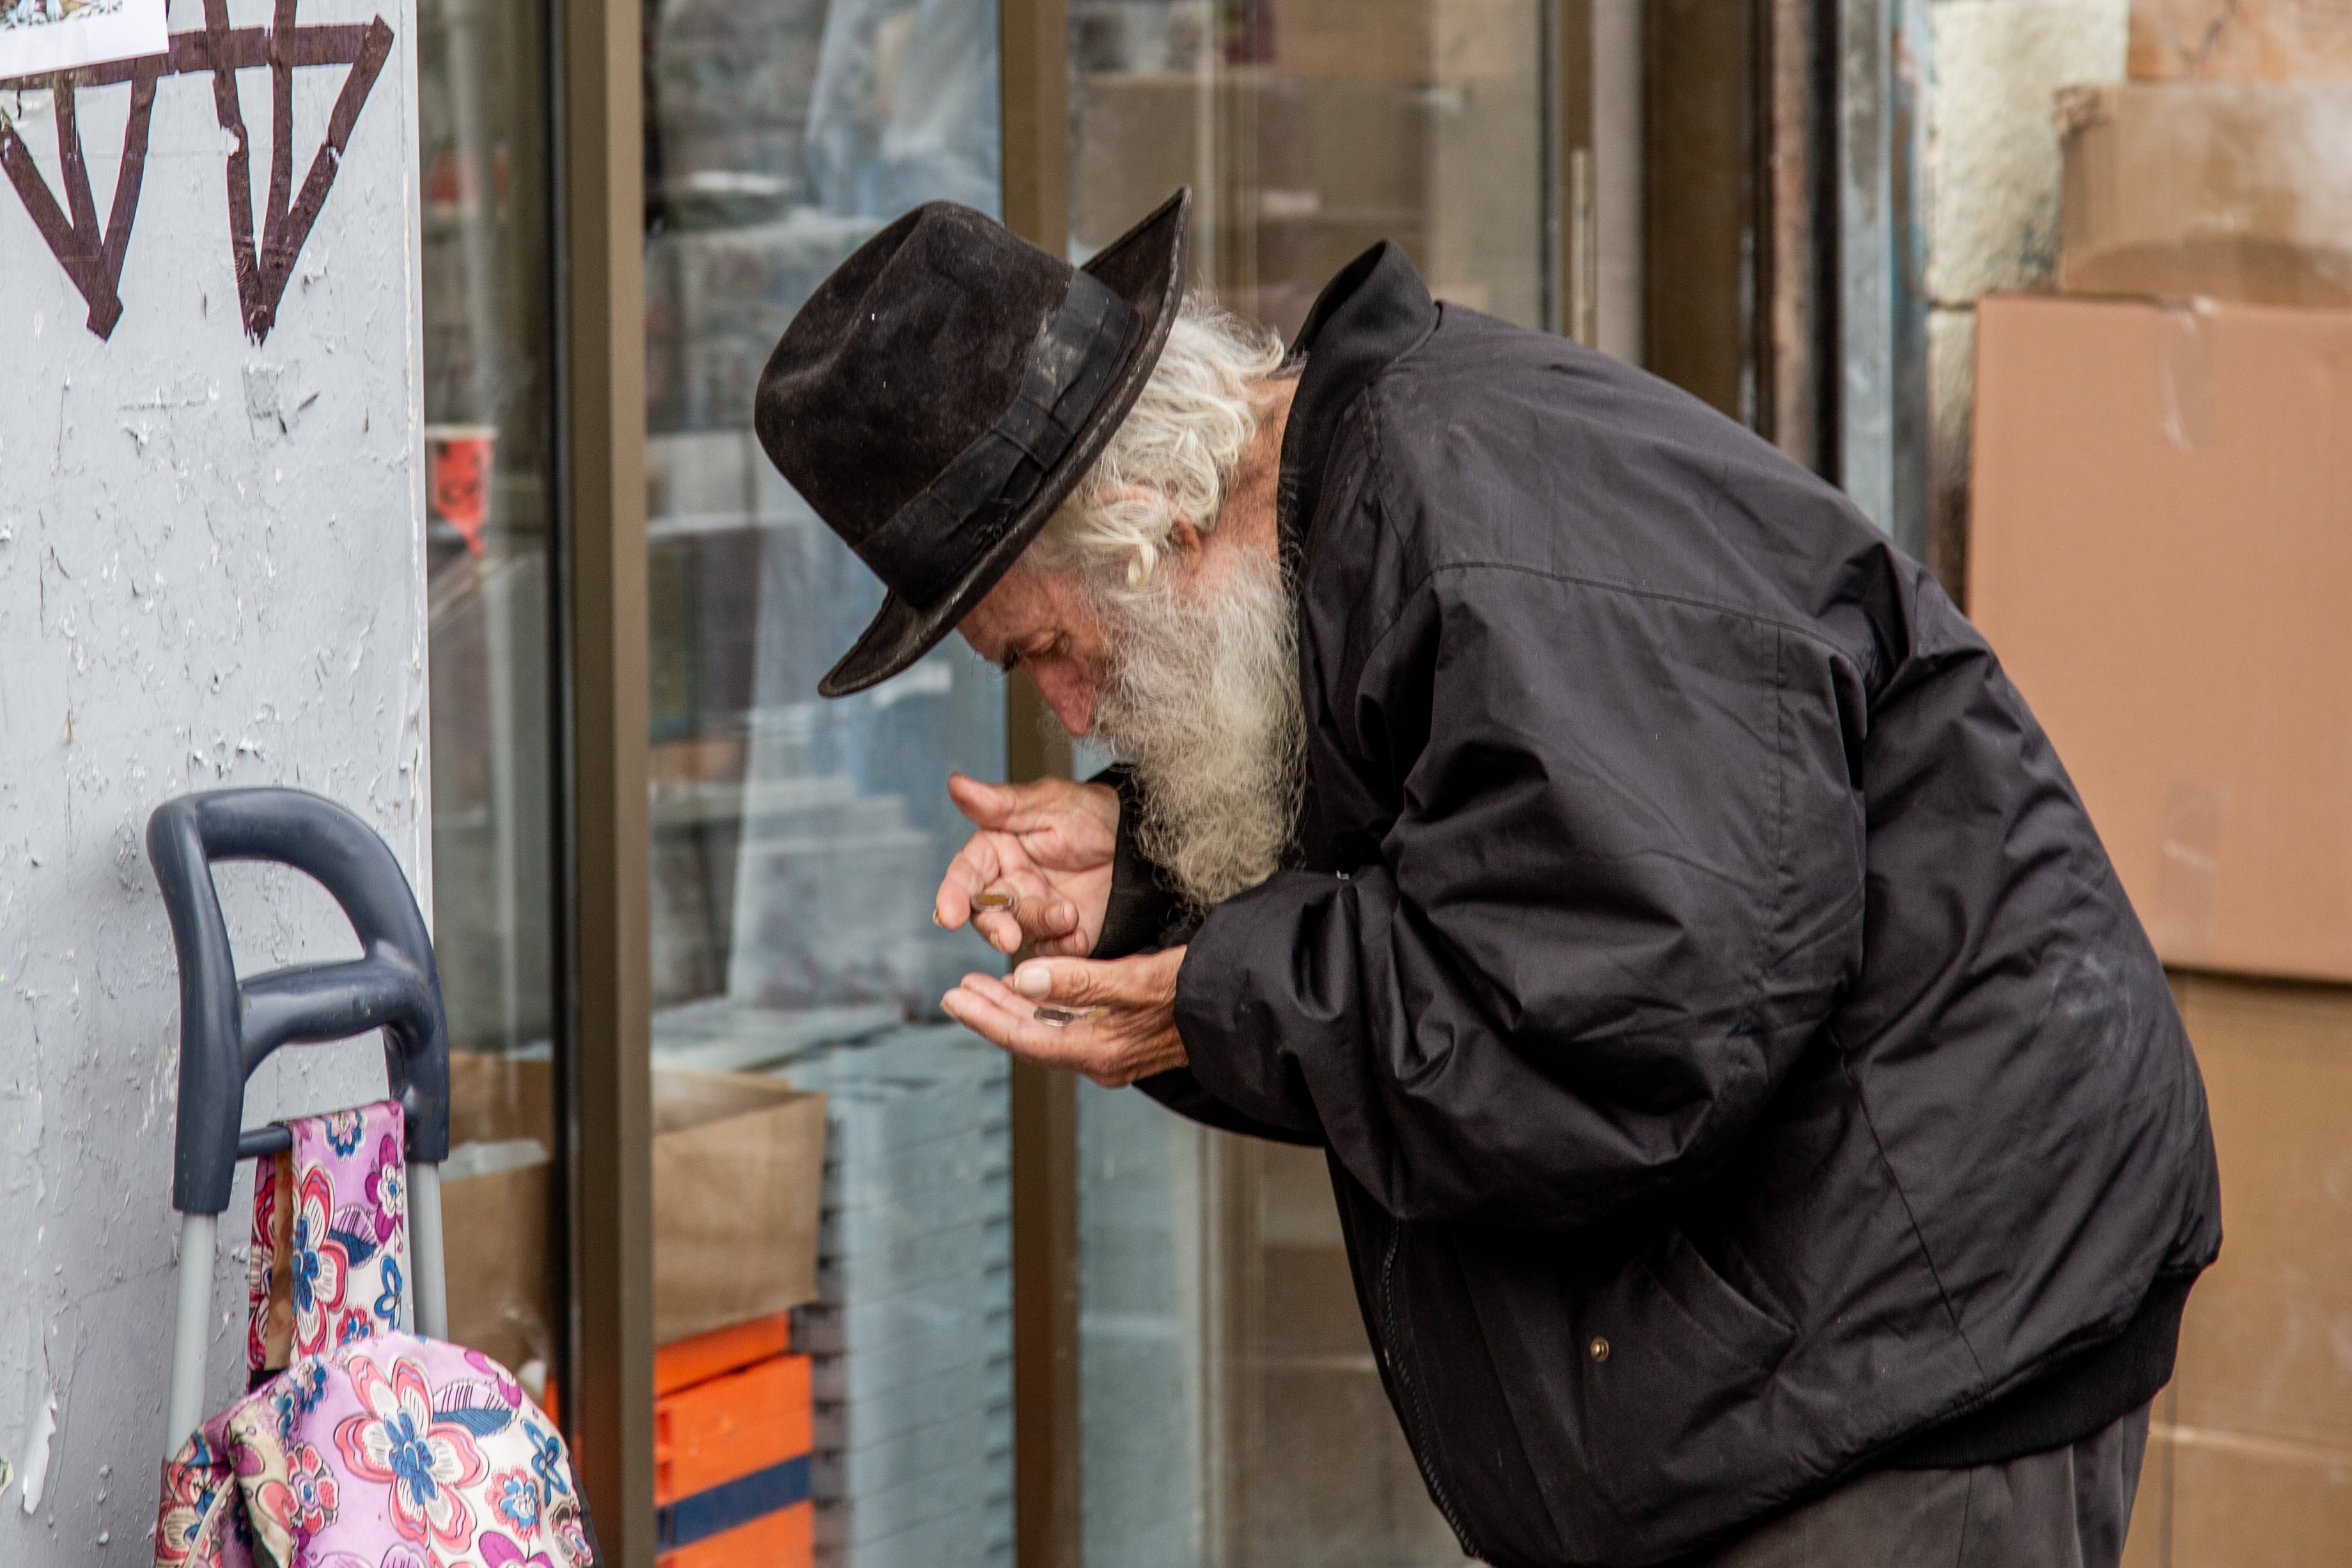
(981, 903)
(1063, 1018)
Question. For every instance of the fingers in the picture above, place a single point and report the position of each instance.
(1072, 983)
(986, 1006)
(1046, 804)
(975, 866)
(1036, 913)
(1076, 944)
(1129, 1034)
(1145, 981)
(1006, 807)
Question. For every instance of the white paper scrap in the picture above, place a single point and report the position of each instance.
(38, 35)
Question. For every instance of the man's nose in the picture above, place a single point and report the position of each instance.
(1070, 695)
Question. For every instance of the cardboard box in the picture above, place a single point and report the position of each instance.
(2210, 1501)
(2266, 1344)
(739, 1173)
(2162, 527)
(2250, 1451)
(496, 1222)
(2242, 40)
(739, 1168)
(2232, 190)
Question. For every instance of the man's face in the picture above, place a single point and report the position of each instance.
(1193, 679)
(1046, 622)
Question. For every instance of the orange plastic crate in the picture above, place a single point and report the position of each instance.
(700, 1357)
(726, 1427)
(786, 1539)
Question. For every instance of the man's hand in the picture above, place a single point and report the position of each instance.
(1050, 845)
(1128, 1030)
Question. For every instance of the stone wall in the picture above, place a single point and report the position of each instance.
(1986, 71)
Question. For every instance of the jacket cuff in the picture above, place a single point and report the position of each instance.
(1142, 912)
(1180, 1091)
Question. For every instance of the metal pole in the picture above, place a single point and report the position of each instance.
(429, 1307)
(1865, 259)
(1618, 177)
(190, 1329)
(608, 1148)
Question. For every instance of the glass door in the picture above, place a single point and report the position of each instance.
(482, 111)
(797, 843)
(1230, 1412)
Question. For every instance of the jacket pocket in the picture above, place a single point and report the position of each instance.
(1716, 1307)
(1675, 1381)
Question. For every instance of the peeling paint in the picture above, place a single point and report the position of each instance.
(36, 1453)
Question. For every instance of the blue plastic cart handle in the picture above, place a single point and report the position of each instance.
(229, 1028)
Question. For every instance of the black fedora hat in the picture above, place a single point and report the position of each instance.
(942, 391)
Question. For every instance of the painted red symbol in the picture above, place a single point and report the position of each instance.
(92, 256)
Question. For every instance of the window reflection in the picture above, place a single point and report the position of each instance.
(797, 843)
(482, 118)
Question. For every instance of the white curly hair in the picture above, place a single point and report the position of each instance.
(1173, 455)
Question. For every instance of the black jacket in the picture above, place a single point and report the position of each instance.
(1739, 1063)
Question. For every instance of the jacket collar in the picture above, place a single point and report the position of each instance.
(1368, 316)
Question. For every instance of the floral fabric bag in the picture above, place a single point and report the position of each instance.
(371, 1448)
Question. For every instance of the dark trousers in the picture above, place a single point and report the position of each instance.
(2066, 1508)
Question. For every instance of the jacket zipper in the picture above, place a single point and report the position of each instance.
(1424, 1452)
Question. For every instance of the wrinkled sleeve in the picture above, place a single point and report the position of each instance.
(1620, 895)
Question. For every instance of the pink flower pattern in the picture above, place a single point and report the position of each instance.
(377, 1449)
(311, 1486)
(387, 1189)
(427, 1462)
(319, 1266)
(408, 1456)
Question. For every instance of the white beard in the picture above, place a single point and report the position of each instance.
(1203, 703)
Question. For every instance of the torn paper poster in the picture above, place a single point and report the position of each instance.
(38, 35)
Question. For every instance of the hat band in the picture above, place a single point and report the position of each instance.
(928, 547)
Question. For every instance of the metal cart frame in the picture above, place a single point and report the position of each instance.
(230, 1027)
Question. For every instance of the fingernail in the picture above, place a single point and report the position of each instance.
(950, 1006)
(1034, 980)
(935, 920)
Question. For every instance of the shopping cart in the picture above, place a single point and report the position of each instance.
(230, 1027)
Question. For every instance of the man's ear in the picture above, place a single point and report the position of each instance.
(1184, 541)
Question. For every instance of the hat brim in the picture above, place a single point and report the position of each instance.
(1145, 267)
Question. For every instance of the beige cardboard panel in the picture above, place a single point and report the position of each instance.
(2240, 40)
(2239, 1504)
(2161, 528)
(2232, 190)
(2266, 1344)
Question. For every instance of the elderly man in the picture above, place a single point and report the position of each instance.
(1762, 1131)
